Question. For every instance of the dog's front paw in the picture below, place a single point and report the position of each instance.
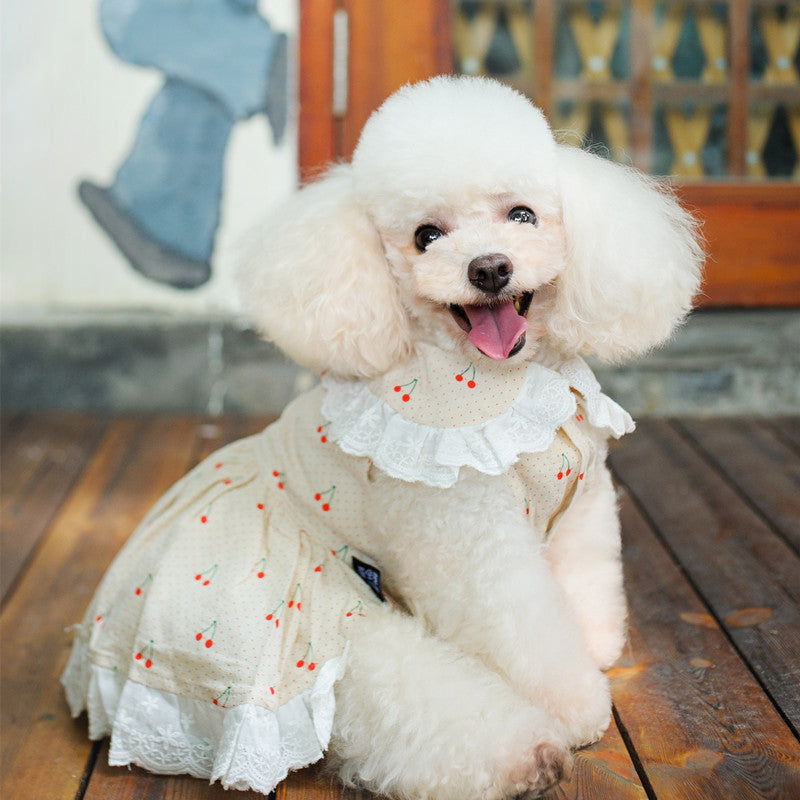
(543, 765)
(605, 643)
(582, 706)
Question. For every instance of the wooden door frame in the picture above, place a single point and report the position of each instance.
(392, 42)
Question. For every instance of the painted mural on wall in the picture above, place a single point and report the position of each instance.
(222, 62)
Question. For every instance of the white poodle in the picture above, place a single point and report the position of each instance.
(418, 567)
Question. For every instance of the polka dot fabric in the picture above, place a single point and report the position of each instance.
(238, 587)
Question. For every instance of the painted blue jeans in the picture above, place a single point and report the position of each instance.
(222, 63)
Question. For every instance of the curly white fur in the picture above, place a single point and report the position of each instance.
(495, 675)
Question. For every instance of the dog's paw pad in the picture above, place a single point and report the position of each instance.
(546, 764)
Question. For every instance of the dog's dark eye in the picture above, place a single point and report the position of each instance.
(522, 214)
(426, 235)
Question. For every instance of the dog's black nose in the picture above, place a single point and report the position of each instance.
(490, 273)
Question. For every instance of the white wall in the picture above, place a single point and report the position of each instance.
(70, 110)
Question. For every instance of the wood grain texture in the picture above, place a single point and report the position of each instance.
(788, 428)
(317, 131)
(203, 437)
(733, 558)
(762, 468)
(134, 464)
(696, 716)
(41, 455)
(602, 771)
(713, 620)
(752, 234)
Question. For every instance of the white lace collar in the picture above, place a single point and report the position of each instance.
(364, 424)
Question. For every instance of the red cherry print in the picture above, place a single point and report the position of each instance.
(560, 475)
(227, 481)
(299, 606)
(218, 466)
(271, 690)
(318, 569)
(138, 590)
(204, 519)
(207, 575)
(471, 371)
(260, 506)
(149, 651)
(223, 697)
(291, 603)
(209, 632)
(260, 575)
(328, 496)
(407, 395)
(580, 477)
(309, 652)
(140, 587)
(275, 473)
(98, 618)
(564, 466)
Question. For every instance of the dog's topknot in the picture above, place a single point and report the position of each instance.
(450, 134)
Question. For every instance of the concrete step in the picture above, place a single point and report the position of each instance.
(719, 363)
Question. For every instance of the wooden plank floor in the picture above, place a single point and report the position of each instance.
(706, 695)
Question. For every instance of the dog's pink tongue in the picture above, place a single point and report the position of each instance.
(495, 329)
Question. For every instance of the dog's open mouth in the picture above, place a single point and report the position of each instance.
(497, 330)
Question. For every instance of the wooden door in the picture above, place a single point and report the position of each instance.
(706, 93)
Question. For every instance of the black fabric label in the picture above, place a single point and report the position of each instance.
(370, 575)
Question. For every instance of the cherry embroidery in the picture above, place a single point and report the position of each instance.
(208, 575)
(357, 609)
(461, 376)
(342, 552)
(302, 662)
(322, 430)
(222, 698)
(209, 637)
(327, 496)
(406, 395)
(261, 565)
(141, 587)
(273, 614)
(279, 475)
(148, 652)
(293, 601)
(204, 516)
(564, 465)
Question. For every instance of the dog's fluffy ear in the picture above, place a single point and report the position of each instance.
(319, 286)
(633, 262)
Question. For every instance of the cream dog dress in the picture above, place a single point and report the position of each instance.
(214, 641)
